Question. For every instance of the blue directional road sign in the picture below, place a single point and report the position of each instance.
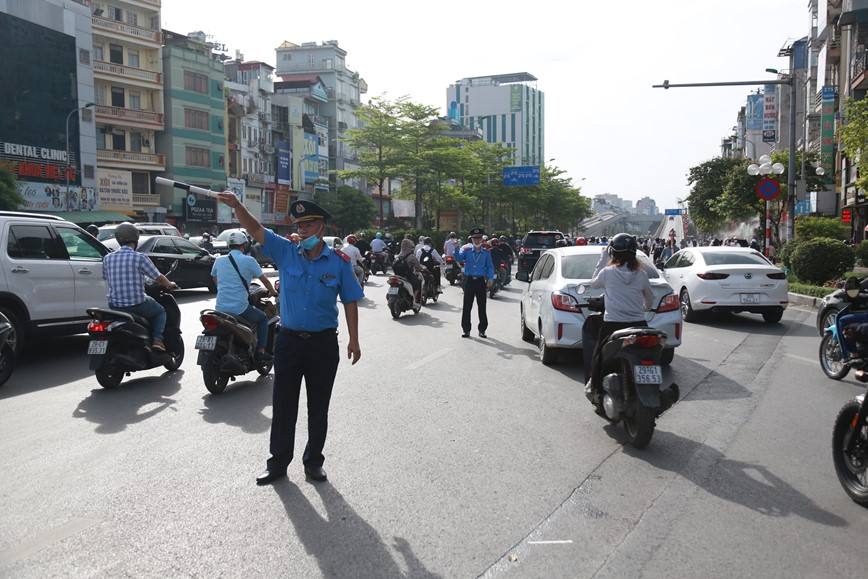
(803, 207)
(673, 212)
(521, 175)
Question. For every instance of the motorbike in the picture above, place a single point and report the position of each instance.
(632, 378)
(839, 354)
(399, 296)
(375, 262)
(429, 287)
(850, 446)
(452, 271)
(500, 278)
(227, 344)
(120, 342)
(7, 349)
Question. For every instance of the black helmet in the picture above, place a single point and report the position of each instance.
(93, 229)
(126, 233)
(623, 246)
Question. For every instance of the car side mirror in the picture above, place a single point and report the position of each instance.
(523, 275)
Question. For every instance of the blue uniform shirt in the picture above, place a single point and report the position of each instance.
(309, 289)
(232, 296)
(475, 262)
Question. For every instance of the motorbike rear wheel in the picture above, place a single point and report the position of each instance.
(393, 308)
(108, 377)
(851, 467)
(639, 425)
(264, 369)
(215, 380)
(832, 357)
(177, 356)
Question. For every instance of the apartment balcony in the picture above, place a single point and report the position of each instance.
(858, 72)
(130, 160)
(126, 31)
(129, 117)
(129, 74)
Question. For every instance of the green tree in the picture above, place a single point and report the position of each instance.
(709, 181)
(854, 135)
(11, 198)
(351, 209)
(808, 227)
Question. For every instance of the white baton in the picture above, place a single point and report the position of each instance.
(187, 187)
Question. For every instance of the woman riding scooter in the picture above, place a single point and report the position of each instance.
(628, 295)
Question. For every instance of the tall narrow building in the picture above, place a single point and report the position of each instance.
(128, 92)
(509, 110)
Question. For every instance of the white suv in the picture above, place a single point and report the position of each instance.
(51, 273)
(107, 232)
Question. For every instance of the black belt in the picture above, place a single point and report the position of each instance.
(308, 335)
(475, 276)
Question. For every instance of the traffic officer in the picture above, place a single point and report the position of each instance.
(478, 277)
(312, 277)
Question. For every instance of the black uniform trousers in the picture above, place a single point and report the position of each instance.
(316, 360)
(475, 287)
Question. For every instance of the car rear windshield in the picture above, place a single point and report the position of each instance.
(733, 258)
(546, 240)
(582, 266)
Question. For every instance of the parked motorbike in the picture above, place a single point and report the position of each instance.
(7, 349)
(837, 353)
(120, 342)
(399, 296)
(227, 345)
(631, 378)
(452, 271)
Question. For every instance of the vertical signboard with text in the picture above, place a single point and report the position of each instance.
(827, 132)
(770, 113)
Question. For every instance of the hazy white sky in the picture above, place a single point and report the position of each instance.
(595, 61)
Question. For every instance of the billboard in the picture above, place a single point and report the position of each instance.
(770, 113)
(284, 164)
(754, 112)
(115, 189)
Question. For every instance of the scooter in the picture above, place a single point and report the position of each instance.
(375, 262)
(227, 345)
(850, 446)
(838, 353)
(499, 279)
(453, 271)
(429, 287)
(399, 296)
(631, 378)
(7, 349)
(120, 342)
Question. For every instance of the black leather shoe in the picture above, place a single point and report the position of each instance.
(270, 475)
(465, 335)
(317, 473)
(482, 335)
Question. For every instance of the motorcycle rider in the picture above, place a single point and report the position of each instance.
(125, 271)
(451, 244)
(432, 261)
(93, 230)
(406, 265)
(498, 255)
(232, 274)
(628, 295)
(362, 243)
(206, 242)
(352, 251)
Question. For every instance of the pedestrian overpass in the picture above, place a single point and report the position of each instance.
(610, 223)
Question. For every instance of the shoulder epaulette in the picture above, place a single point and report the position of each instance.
(343, 255)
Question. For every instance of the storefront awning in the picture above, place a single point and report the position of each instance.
(95, 217)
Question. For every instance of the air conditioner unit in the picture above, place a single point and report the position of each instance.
(146, 142)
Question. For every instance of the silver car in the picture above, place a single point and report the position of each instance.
(550, 304)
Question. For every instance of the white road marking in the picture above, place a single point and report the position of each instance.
(802, 359)
(27, 548)
(429, 358)
(565, 542)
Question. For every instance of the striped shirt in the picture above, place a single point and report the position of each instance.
(125, 271)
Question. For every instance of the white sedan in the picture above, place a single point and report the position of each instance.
(550, 304)
(727, 279)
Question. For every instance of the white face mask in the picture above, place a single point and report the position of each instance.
(477, 244)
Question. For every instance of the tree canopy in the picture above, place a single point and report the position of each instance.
(11, 198)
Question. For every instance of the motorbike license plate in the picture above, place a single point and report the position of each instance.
(206, 342)
(750, 298)
(648, 374)
(448, 266)
(97, 347)
(393, 291)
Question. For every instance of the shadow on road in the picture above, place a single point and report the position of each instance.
(753, 486)
(343, 543)
(68, 359)
(241, 405)
(131, 402)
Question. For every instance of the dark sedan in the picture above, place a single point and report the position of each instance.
(194, 263)
(829, 306)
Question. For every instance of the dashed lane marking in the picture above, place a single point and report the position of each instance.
(27, 548)
(428, 358)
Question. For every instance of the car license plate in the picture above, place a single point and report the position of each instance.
(97, 347)
(750, 298)
(648, 374)
(206, 342)
(393, 291)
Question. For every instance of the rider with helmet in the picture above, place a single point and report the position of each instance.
(362, 243)
(451, 244)
(581, 241)
(206, 242)
(628, 295)
(351, 250)
(232, 274)
(125, 271)
(431, 260)
(93, 230)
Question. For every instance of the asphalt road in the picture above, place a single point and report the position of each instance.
(446, 458)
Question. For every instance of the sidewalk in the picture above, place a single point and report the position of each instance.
(811, 302)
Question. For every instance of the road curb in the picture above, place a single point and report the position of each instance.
(803, 300)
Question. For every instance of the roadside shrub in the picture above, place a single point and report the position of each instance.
(817, 260)
(862, 254)
(785, 253)
(810, 227)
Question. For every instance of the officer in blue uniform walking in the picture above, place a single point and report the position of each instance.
(312, 277)
(478, 277)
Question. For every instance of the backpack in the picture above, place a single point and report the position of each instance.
(427, 258)
(400, 267)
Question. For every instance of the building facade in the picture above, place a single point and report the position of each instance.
(507, 108)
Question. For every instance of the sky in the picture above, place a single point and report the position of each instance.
(596, 62)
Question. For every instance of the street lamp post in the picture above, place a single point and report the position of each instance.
(69, 116)
(764, 168)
